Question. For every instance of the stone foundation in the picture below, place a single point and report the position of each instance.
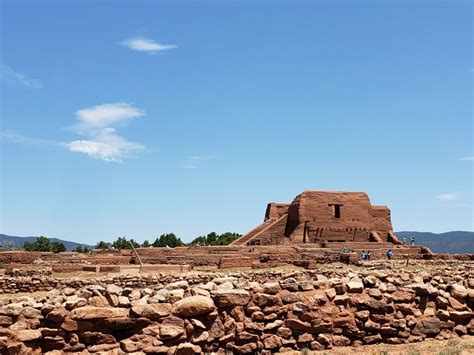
(241, 312)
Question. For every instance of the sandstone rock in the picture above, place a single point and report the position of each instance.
(178, 285)
(454, 303)
(90, 312)
(5, 321)
(375, 293)
(171, 331)
(371, 339)
(305, 338)
(340, 340)
(193, 306)
(187, 349)
(74, 302)
(402, 296)
(271, 287)
(114, 290)
(355, 286)
(461, 316)
(152, 311)
(248, 348)
(28, 335)
(232, 298)
(13, 309)
(296, 324)
(263, 299)
(101, 348)
(458, 291)
(246, 337)
(429, 326)
(30, 312)
(56, 315)
(272, 342)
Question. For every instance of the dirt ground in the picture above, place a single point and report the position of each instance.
(458, 346)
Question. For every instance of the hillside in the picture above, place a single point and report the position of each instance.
(18, 241)
(456, 242)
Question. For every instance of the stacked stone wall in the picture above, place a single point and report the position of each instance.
(241, 312)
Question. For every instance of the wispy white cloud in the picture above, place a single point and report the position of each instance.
(448, 197)
(105, 115)
(142, 44)
(106, 145)
(11, 76)
(467, 158)
(102, 141)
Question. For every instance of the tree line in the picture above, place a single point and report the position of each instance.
(170, 240)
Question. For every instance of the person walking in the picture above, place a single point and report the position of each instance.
(389, 254)
(367, 256)
(412, 240)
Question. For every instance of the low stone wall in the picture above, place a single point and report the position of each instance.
(28, 271)
(241, 312)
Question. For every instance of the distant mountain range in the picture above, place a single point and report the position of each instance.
(18, 241)
(456, 242)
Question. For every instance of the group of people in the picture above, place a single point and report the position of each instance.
(365, 255)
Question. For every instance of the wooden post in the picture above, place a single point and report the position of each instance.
(135, 251)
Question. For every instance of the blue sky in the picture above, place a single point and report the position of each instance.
(139, 118)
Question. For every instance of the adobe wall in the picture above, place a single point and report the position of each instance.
(317, 207)
(276, 210)
(327, 216)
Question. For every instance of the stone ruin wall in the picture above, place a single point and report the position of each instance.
(241, 312)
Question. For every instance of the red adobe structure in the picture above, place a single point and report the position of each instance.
(326, 218)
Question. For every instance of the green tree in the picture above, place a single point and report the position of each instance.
(201, 240)
(169, 240)
(121, 243)
(146, 244)
(57, 247)
(79, 249)
(102, 245)
(135, 244)
(29, 246)
(215, 239)
(227, 238)
(124, 243)
(43, 244)
(212, 238)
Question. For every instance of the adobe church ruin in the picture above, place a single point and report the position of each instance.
(323, 217)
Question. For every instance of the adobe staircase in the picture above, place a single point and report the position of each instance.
(257, 231)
